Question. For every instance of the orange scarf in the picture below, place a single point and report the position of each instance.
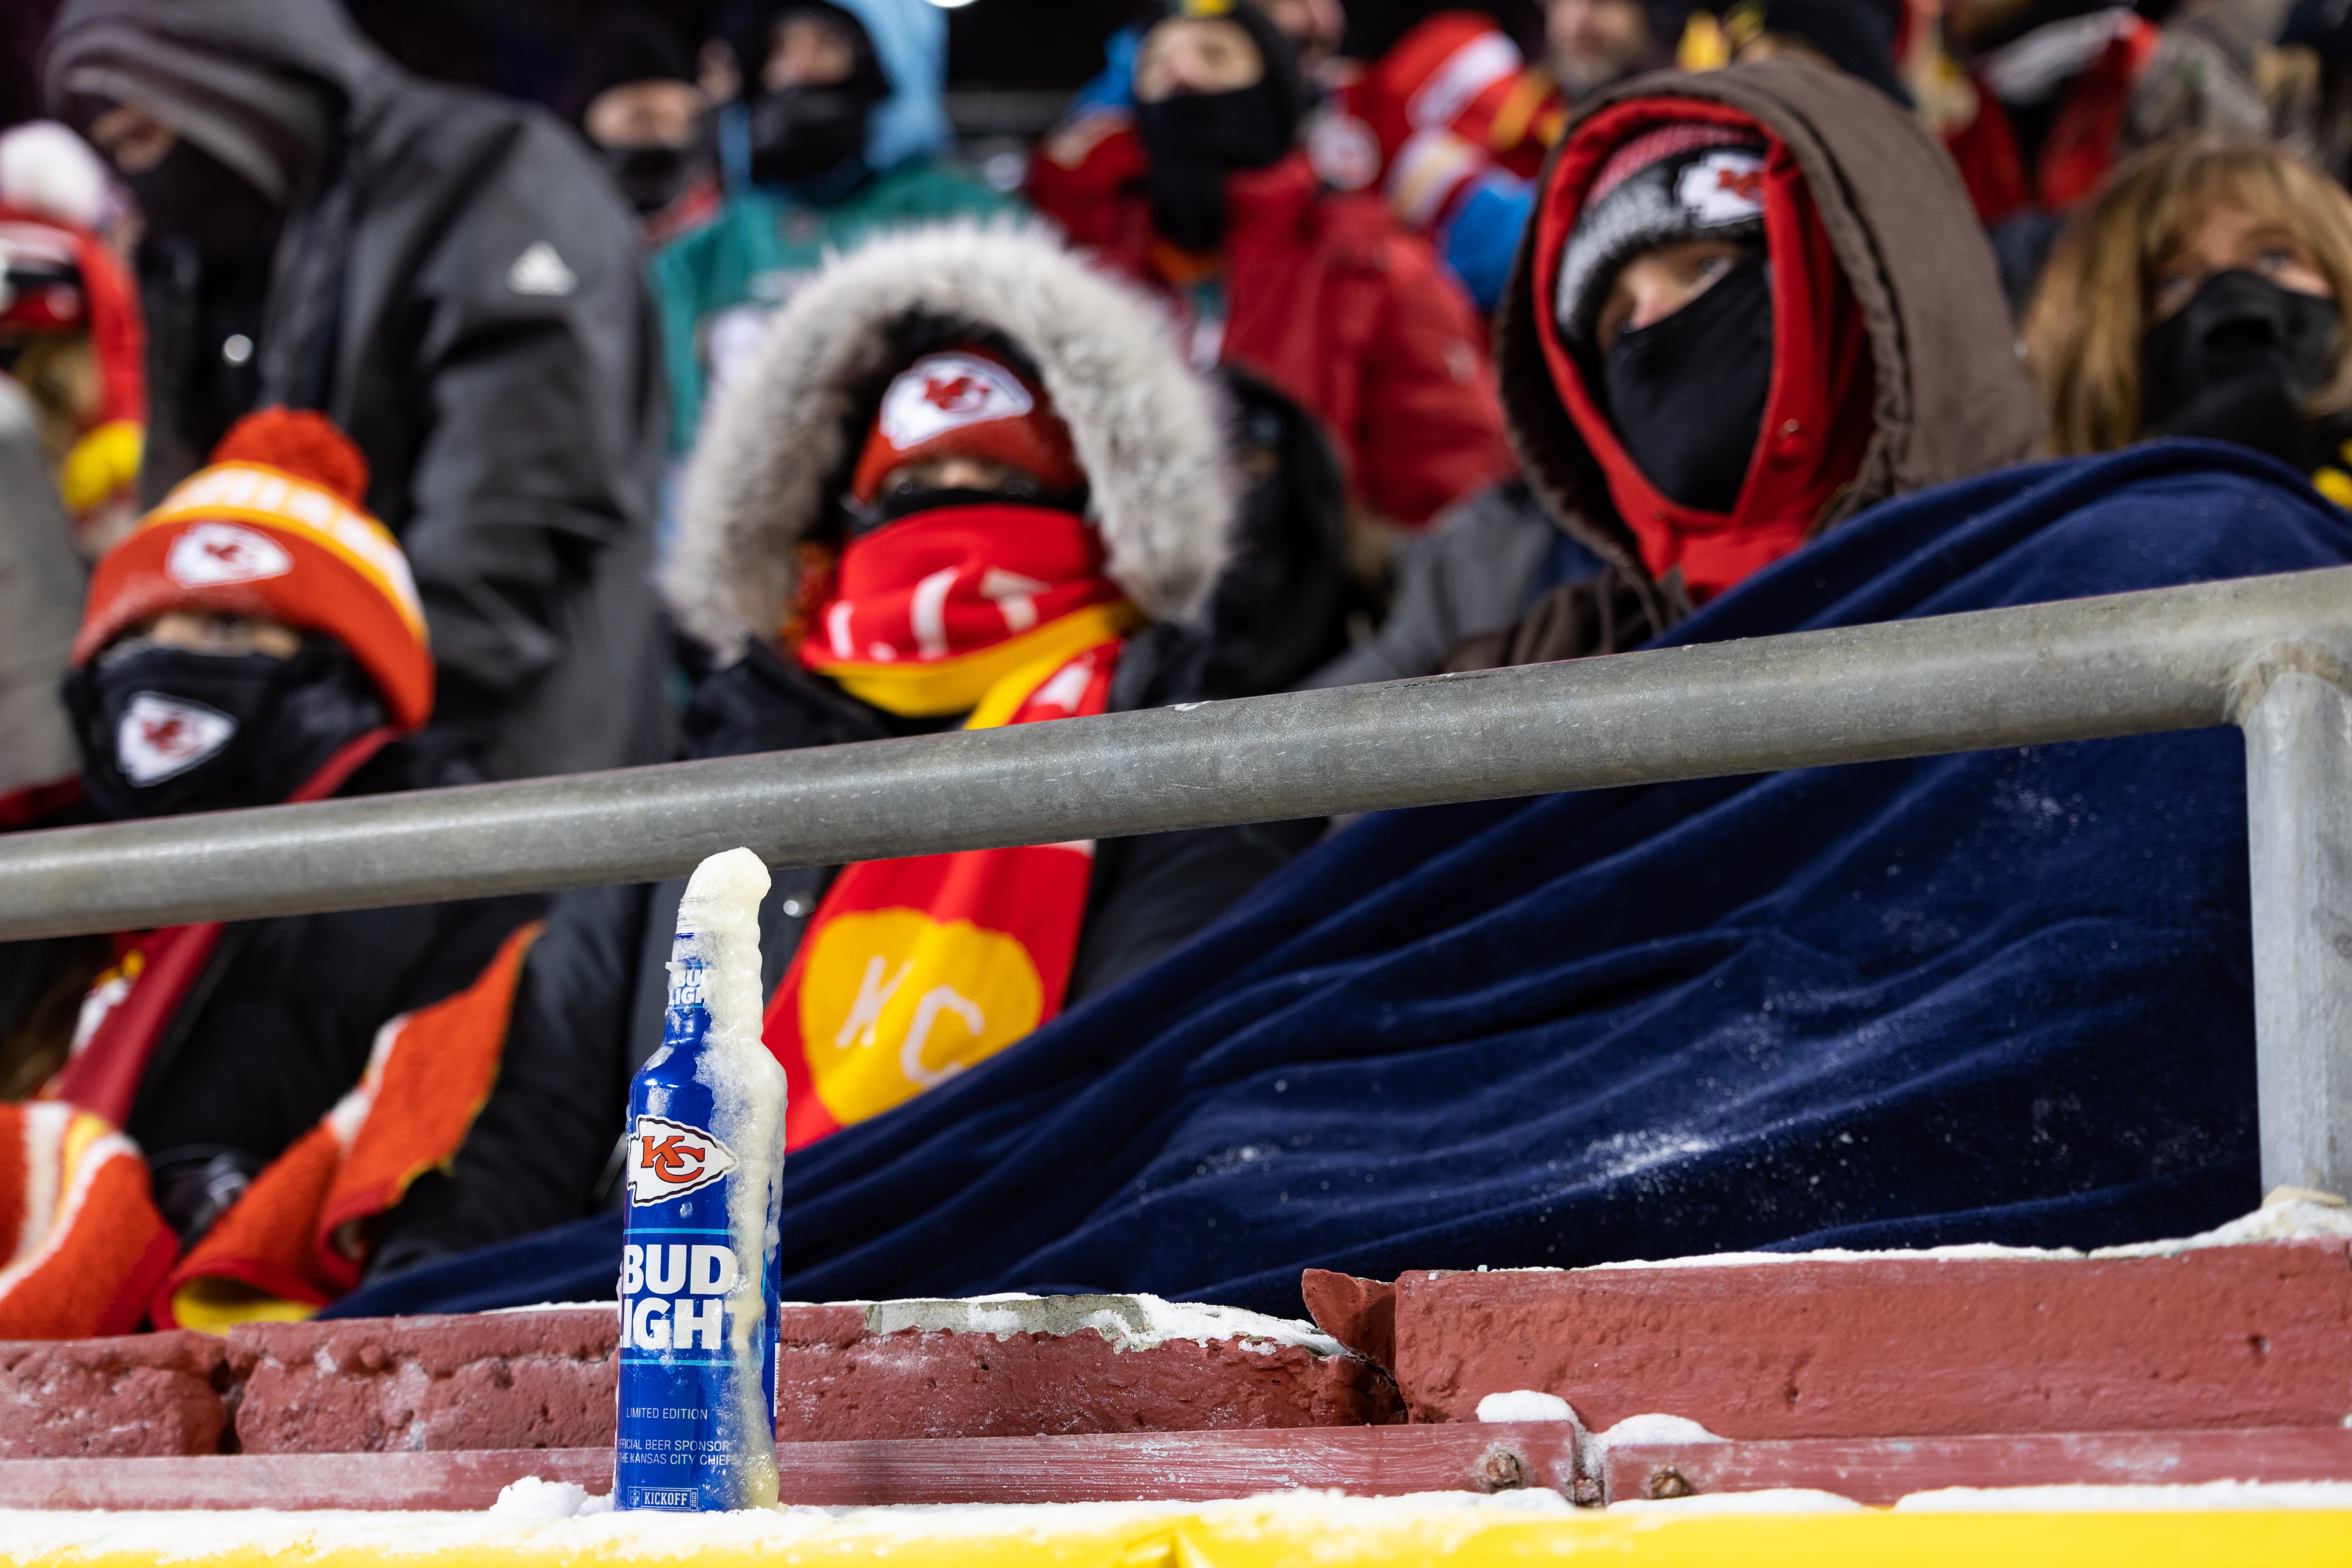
(913, 970)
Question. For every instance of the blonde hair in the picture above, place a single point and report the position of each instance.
(2090, 311)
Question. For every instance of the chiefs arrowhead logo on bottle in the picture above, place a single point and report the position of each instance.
(669, 1160)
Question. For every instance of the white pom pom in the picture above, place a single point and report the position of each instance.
(47, 169)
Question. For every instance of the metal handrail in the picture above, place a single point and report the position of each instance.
(2267, 652)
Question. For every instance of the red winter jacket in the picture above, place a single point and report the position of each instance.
(1330, 301)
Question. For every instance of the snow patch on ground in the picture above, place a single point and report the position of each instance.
(1654, 1428)
(531, 1498)
(1444, 1521)
(2212, 1495)
(1129, 1322)
(1525, 1404)
(1778, 1500)
(613, 1307)
(2289, 1215)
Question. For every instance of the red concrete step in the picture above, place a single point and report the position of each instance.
(1109, 1466)
(1372, 1461)
(546, 1379)
(1863, 1346)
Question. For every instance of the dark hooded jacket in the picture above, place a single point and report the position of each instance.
(457, 286)
(1950, 399)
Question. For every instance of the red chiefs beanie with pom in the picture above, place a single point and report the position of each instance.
(274, 529)
(966, 403)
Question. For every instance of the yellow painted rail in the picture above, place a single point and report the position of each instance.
(1290, 1532)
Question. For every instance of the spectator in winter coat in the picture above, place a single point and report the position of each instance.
(41, 583)
(638, 98)
(2201, 293)
(71, 332)
(1595, 44)
(1856, 36)
(257, 639)
(1315, 291)
(1753, 302)
(835, 141)
(968, 483)
(1464, 122)
(448, 276)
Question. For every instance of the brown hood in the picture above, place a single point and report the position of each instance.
(1952, 398)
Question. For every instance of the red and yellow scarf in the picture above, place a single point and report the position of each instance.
(913, 970)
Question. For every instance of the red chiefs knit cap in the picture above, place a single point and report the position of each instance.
(273, 529)
(966, 403)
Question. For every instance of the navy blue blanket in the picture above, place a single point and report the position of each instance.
(2002, 996)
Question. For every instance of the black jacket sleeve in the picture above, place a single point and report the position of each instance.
(1150, 893)
(537, 1150)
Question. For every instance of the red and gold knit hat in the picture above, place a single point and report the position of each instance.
(274, 529)
(966, 403)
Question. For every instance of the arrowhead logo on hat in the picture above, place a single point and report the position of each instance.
(162, 737)
(946, 391)
(215, 553)
(1724, 186)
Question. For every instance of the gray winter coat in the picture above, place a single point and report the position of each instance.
(458, 287)
(41, 586)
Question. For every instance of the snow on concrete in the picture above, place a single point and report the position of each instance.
(1653, 1428)
(166, 1537)
(531, 1498)
(1776, 1500)
(1525, 1404)
(2289, 1213)
(2212, 1495)
(1129, 1322)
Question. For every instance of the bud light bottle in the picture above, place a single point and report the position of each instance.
(699, 1257)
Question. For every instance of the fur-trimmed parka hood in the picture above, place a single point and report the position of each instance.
(779, 441)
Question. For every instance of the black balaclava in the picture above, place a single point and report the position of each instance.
(1685, 394)
(2237, 362)
(1196, 139)
(804, 135)
(638, 45)
(192, 196)
(169, 729)
(653, 177)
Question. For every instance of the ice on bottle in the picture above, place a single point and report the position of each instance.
(699, 1259)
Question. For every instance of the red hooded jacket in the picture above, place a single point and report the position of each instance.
(1328, 300)
(1816, 413)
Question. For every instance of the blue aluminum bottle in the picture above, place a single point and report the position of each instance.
(688, 1440)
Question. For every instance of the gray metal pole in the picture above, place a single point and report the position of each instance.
(2074, 671)
(2296, 710)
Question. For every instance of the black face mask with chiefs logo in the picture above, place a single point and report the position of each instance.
(169, 729)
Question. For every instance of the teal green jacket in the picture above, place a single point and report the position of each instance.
(714, 284)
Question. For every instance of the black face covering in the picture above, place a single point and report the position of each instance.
(801, 133)
(169, 729)
(908, 500)
(653, 177)
(2236, 362)
(1195, 140)
(1685, 394)
(192, 195)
